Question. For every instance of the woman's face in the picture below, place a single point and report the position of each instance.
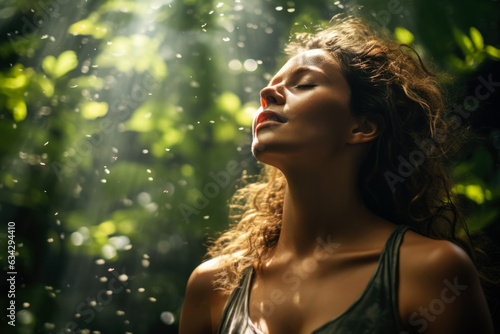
(305, 115)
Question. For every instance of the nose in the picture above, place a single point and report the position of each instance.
(271, 95)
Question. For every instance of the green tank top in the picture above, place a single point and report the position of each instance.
(376, 311)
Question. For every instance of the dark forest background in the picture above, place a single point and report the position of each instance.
(125, 125)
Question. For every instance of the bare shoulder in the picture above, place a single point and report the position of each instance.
(439, 288)
(427, 257)
(202, 302)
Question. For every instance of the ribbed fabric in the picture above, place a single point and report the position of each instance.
(376, 311)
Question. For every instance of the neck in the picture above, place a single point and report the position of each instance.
(320, 206)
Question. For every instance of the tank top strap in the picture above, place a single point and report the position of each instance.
(389, 263)
(235, 315)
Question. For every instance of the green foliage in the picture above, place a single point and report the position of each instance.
(473, 49)
(119, 119)
(403, 35)
(57, 67)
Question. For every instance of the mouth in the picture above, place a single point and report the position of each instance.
(268, 117)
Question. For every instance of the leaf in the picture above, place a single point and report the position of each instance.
(45, 84)
(66, 62)
(89, 26)
(93, 110)
(493, 52)
(463, 42)
(403, 35)
(477, 38)
(18, 107)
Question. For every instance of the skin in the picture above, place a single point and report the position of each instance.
(322, 263)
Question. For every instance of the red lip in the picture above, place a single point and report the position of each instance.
(269, 117)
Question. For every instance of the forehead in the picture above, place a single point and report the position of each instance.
(316, 59)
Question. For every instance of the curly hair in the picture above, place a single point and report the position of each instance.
(404, 176)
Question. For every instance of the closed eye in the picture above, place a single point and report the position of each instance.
(307, 86)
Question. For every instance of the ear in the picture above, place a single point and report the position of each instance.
(366, 129)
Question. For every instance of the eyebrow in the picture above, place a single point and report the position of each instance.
(300, 70)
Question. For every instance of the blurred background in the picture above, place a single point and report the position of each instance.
(125, 126)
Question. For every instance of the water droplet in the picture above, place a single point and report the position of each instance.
(250, 65)
(167, 317)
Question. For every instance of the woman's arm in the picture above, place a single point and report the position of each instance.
(439, 289)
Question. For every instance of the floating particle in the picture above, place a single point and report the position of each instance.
(219, 5)
(145, 151)
(234, 65)
(167, 149)
(26, 304)
(146, 256)
(279, 8)
(178, 55)
(226, 39)
(210, 12)
(78, 315)
(120, 312)
(141, 290)
(150, 178)
(49, 326)
(93, 303)
(204, 25)
(100, 262)
(123, 277)
(290, 10)
(111, 269)
(109, 292)
(206, 217)
(250, 65)
(50, 240)
(46, 144)
(127, 247)
(106, 171)
(167, 317)
(103, 181)
(148, 170)
(152, 299)
(103, 279)
(145, 263)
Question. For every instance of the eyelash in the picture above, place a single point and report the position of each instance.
(306, 86)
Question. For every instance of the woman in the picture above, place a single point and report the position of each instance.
(353, 135)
